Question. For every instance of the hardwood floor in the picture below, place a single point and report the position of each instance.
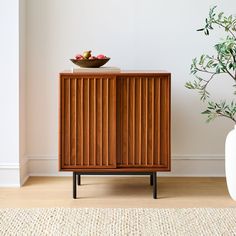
(118, 192)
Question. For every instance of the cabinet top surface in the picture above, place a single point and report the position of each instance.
(116, 73)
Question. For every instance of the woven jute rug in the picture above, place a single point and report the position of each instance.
(118, 221)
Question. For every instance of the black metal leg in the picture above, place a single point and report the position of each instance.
(74, 185)
(154, 179)
(151, 180)
(79, 179)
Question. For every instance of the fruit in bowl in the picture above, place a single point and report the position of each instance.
(87, 60)
(87, 54)
(79, 57)
(101, 56)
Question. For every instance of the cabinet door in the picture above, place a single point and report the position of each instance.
(87, 122)
(143, 122)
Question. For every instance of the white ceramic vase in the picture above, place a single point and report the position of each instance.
(230, 162)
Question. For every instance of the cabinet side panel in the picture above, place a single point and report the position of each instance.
(61, 123)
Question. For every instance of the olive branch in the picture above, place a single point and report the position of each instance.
(206, 68)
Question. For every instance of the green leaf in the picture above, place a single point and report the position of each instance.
(206, 112)
(220, 15)
(206, 32)
(201, 61)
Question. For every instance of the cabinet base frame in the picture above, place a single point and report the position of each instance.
(153, 179)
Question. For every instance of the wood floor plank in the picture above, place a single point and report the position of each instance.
(121, 192)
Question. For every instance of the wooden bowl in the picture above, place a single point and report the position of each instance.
(93, 63)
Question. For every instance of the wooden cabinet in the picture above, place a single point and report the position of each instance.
(115, 122)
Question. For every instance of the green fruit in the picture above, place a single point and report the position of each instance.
(87, 54)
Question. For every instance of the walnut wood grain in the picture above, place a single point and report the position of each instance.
(87, 122)
(111, 122)
(114, 122)
(138, 105)
(80, 125)
(145, 137)
(67, 122)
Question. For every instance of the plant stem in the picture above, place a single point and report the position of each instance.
(221, 114)
(216, 22)
(209, 80)
(204, 70)
(226, 68)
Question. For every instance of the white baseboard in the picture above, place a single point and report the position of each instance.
(181, 165)
(9, 175)
(200, 166)
(15, 175)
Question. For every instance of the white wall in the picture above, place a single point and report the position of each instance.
(9, 93)
(136, 34)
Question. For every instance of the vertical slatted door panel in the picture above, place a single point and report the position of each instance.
(143, 115)
(126, 121)
(88, 122)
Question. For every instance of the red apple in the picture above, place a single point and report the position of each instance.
(78, 57)
(101, 56)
